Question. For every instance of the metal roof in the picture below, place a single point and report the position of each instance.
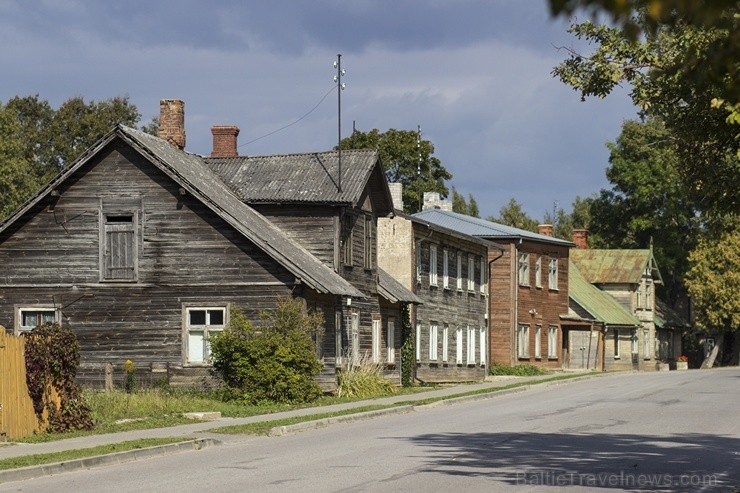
(667, 318)
(482, 228)
(615, 266)
(394, 291)
(598, 303)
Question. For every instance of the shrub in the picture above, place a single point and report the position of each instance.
(408, 360)
(363, 379)
(518, 371)
(52, 358)
(275, 362)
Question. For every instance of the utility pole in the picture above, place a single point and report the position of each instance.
(340, 88)
(418, 167)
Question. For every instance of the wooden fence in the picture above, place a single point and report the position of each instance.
(17, 418)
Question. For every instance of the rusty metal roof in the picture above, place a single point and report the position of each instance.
(615, 266)
(602, 306)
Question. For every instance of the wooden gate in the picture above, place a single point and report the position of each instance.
(17, 418)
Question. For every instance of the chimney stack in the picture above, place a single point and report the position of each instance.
(224, 140)
(545, 229)
(580, 238)
(172, 122)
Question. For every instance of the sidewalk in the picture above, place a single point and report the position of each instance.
(200, 429)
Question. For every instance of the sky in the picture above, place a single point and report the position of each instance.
(474, 74)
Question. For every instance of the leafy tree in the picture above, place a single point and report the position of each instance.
(406, 160)
(461, 206)
(17, 175)
(679, 73)
(273, 362)
(512, 214)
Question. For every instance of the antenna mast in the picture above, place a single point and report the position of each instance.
(418, 167)
(340, 88)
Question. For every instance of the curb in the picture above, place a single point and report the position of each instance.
(99, 460)
(347, 418)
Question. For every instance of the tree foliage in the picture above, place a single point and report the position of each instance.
(275, 361)
(460, 205)
(512, 214)
(407, 160)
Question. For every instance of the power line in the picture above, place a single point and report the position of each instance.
(292, 123)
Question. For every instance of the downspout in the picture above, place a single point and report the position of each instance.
(515, 318)
(488, 311)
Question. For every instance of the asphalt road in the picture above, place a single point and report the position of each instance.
(669, 431)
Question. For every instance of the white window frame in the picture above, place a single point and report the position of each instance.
(617, 350)
(522, 341)
(433, 265)
(483, 275)
(417, 255)
(446, 269)
(208, 329)
(552, 274)
(646, 341)
(552, 342)
(638, 294)
(483, 347)
(635, 342)
(338, 346)
(523, 269)
(38, 309)
(471, 345)
(538, 341)
(471, 272)
(648, 296)
(418, 341)
(391, 339)
(459, 281)
(354, 336)
(459, 346)
(445, 343)
(433, 342)
(538, 272)
(376, 340)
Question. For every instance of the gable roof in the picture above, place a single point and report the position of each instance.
(482, 228)
(189, 171)
(394, 291)
(666, 317)
(304, 178)
(602, 306)
(615, 266)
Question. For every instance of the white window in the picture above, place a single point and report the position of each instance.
(418, 261)
(616, 344)
(355, 338)
(445, 342)
(522, 341)
(524, 269)
(459, 271)
(458, 346)
(446, 269)
(391, 339)
(201, 324)
(646, 343)
(638, 293)
(483, 275)
(31, 317)
(471, 273)
(376, 340)
(553, 274)
(635, 342)
(552, 342)
(483, 347)
(433, 342)
(538, 272)
(432, 265)
(648, 298)
(418, 342)
(338, 346)
(471, 345)
(538, 341)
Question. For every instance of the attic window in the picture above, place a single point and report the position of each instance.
(119, 252)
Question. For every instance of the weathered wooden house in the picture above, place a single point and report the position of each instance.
(144, 250)
(448, 271)
(528, 287)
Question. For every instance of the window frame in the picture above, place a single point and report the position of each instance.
(483, 347)
(417, 342)
(207, 329)
(471, 272)
(552, 274)
(376, 329)
(646, 343)
(522, 341)
(433, 278)
(458, 281)
(523, 269)
(471, 345)
(483, 276)
(417, 258)
(459, 346)
(617, 349)
(19, 328)
(433, 342)
(445, 268)
(552, 342)
(538, 272)
(390, 336)
(107, 227)
(538, 341)
(445, 343)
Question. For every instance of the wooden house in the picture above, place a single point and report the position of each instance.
(528, 288)
(448, 271)
(144, 250)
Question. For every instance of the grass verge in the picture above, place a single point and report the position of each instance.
(67, 455)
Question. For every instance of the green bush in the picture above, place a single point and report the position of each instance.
(518, 371)
(275, 362)
(363, 379)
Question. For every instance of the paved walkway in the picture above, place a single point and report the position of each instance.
(201, 429)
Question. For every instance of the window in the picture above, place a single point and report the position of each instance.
(418, 342)
(483, 275)
(524, 269)
(471, 273)
(348, 241)
(483, 347)
(458, 346)
(446, 269)
(552, 342)
(646, 343)
(338, 346)
(648, 298)
(538, 341)
(119, 247)
(432, 265)
(459, 271)
(32, 317)
(635, 342)
(522, 341)
(355, 339)
(553, 274)
(638, 293)
(538, 272)
(376, 340)
(202, 323)
(445, 342)
(368, 241)
(391, 339)
(616, 344)
(471, 345)
(433, 342)
(417, 253)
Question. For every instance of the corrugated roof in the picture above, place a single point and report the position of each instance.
(482, 228)
(614, 266)
(299, 178)
(666, 317)
(456, 234)
(599, 304)
(394, 291)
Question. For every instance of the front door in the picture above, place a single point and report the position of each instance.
(582, 349)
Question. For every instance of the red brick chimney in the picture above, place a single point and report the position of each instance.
(172, 122)
(224, 140)
(545, 229)
(580, 238)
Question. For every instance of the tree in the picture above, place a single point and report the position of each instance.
(17, 176)
(461, 206)
(681, 74)
(512, 214)
(407, 160)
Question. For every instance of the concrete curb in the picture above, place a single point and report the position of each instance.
(346, 418)
(99, 460)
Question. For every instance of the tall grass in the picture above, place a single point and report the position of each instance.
(362, 379)
(518, 371)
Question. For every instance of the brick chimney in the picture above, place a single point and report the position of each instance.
(545, 229)
(172, 122)
(224, 140)
(580, 238)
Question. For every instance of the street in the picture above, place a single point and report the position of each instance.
(667, 431)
